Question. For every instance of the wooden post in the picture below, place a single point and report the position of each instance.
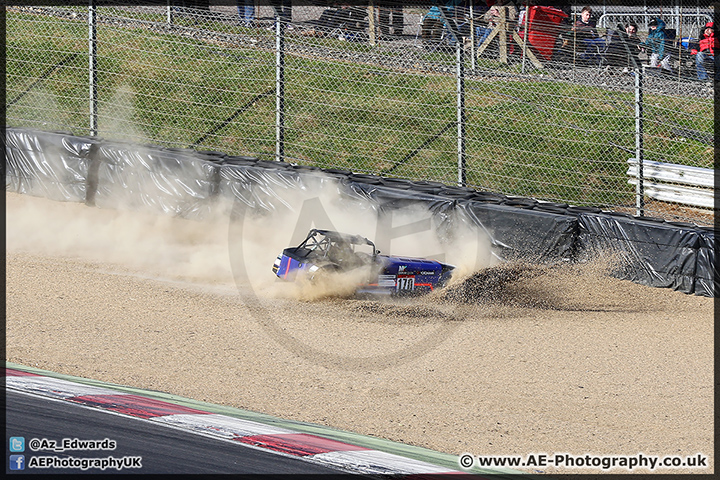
(371, 22)
(487, 41)
(503, 36)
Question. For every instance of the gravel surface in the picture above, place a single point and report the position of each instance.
(513, 360)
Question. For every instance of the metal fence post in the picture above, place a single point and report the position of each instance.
(639, 187)
(92, 46)
(279, 88)
(472, 38)
(459, 50)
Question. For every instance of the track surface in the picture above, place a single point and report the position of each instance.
(565, 360)
(163, 449)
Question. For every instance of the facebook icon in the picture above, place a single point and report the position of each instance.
(17, 462)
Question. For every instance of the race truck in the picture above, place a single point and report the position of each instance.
(326, 252)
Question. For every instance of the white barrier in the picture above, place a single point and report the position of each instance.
(668, 182)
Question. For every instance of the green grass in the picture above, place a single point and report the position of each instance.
(550, 140)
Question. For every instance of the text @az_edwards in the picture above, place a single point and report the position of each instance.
(68, 444)
(565, 460)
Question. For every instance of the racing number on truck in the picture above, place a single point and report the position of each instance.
(405, 284)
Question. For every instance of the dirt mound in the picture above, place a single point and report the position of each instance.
(498, 284)
(583, 287)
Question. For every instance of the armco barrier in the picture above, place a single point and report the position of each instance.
(186, 183)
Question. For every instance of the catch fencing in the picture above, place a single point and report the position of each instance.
(351, 96)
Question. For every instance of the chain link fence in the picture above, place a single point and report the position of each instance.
(344, 88)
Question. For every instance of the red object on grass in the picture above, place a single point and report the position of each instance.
(544, 28)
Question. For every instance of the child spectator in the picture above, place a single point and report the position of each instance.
(655, 42)
(707, 51)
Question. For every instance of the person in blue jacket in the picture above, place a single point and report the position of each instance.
(655, 42)
(433, 23)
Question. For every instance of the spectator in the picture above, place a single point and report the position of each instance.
(584, 27)
(631, 36)
(707, 52)
(246, 10)
(655, 42)
(432, 26)
(390, 15)
(623, 48)
(492, 18)
(633, 43)
(433, 23)
(481, 30)
(586, 37)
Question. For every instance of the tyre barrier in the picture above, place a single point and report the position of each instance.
(364, 178)
(398, 183)
(582, 210)
(240, 160)
(489, 197)
(188, 183)
(54, 165)
(521, 202)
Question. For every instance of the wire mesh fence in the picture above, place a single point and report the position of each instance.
(349, 88)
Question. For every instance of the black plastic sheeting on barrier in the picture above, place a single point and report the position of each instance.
(47, 164)
(196, 185)
(523, 233)
(155, 180)
(428, 212)
(264, 189)
(706, 279)
(512, 232)
(650, 252)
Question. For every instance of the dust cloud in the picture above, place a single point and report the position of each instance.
(202, 251)
(160, 245)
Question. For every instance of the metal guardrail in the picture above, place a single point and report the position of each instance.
(668, 182)
(691, 22)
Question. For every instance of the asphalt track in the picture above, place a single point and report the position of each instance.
(163, 450)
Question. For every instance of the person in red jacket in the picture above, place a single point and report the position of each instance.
(707, 51)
